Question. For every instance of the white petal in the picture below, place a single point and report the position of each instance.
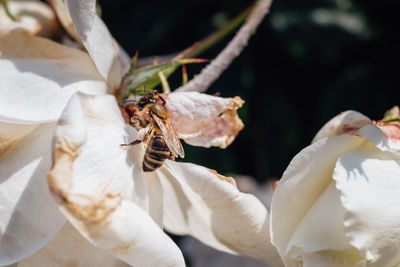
(65, 19)
(33, 16)
(28, 215)
(69, 248)
(345, 123)
(306, 178)
(95, 178)
(208, 206)
(321, 229)
(93, 127)
(368, 180)
(392, 132)
(97, 40)
(204, 120)
(37, 83)
(333, 259)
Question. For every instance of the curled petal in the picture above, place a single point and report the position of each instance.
(37, 83)
(368, 181)
(65, 19)
(97, 40)
(69, 248)
(28, 215)
(92, 177)
(205, 120)
(347, 122)
(307, 177)
(208, 206)
(33, 16)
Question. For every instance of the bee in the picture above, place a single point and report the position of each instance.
(150, 117)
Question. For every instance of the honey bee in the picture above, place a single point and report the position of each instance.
(150, 117)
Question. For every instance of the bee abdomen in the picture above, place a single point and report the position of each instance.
(156, 153)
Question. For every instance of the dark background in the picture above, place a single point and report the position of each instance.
(308, 61)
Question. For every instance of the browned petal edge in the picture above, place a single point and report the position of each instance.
(60, 182)
(223, 178)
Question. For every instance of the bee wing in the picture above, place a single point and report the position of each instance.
(170, 137)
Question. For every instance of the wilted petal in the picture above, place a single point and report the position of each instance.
(208, 206)
(368, 180)
(34, 16)
(205, 120)
(37, 83)
(347, 122)
(28, 215)
(95, 180)
(97, 39)
(304, 181)
(69, 248)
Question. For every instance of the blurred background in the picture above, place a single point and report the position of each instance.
(308, 61)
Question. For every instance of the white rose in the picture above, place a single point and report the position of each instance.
(337, 203)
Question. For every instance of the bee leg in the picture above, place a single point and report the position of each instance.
(171, 156)
(135, 122)
(132, 143)
(162, 99)
(142, 134)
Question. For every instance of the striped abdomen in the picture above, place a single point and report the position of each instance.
(156, 153)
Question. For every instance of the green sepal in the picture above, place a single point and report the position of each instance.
(134, 81)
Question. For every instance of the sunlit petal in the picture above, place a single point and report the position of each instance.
(205, 120)
(97, 39)
(97, 200)
(37, 83)
(208, 206)
(368, 180)
(28, 215)
(69, 248)
(306, 178)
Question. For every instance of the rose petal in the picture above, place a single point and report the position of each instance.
(34, 16)
(97, 40)
(93, 127)
(368, 180)
(392, 132)
(347, 122)
(37, 83)
(333, 259)
(202, 203)
(306, 178)
(65, 19)
(204, 120)
(28, 216)
(69, 248)
(92, 178)
(11, 133)
(323, 230)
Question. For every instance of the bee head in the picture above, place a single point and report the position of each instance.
(145, 100)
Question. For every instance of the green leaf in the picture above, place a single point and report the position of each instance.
(135, 80)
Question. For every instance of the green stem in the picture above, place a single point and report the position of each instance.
(215, 37)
